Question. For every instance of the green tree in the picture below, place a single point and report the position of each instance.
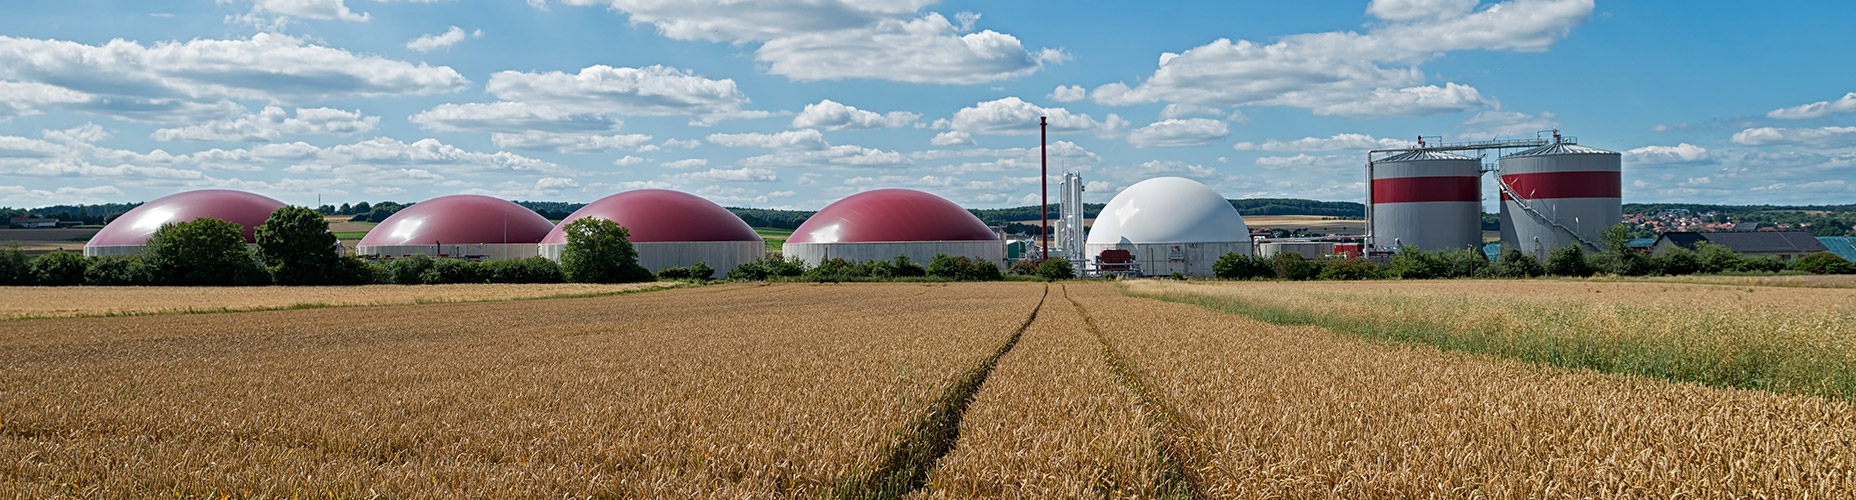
(1515, 264)
(202, 252)
(600, 251)
(1236, 266)
(1413, 263)
(1678, 261)
(1617, 257)
(1056, 269)
(1464, 263)
(1715, 257)
(298, 248)
(15, 268)
(1568, 260)
(1351, 269)
(408, 270)
(1292, 266)
(58, 269)
(1817, 263)
(124, 270)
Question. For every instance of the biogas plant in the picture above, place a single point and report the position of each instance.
(1554, 192)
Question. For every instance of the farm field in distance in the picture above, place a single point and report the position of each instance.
(919, 390)
(57, 302)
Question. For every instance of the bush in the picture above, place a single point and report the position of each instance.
(1235, 266)
(1678, 261)
(208, 252)
(357, 271)
(1817, 263)
(1568, 260)
(1292, 266)
(1716, 258)
(1413, 263)
(298, 248)
(673, 273)
(833, 271)
(770, 266)
(1464, 263)
(600, 251)
(963, 268)
(126, 270)
(1022, 267)
(15, 268)
(58, 269)
(407, 270)
(1515, 264)
(450, 271)
(1056, 269)
(1351, 269)
(529, 270)
(1761, 265)
(903, 267)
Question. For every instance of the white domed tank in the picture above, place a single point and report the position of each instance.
(1169, 225)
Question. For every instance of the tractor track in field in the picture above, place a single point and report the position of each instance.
(1183, 461)
(933, 434)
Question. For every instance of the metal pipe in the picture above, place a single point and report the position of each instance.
(1044, 185)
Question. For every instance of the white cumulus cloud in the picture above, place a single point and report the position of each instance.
(1337, 142)
(1822, 136)
(1819, 109)
(832, 115)
(453, 36)
(1683, 153)
(806, 139)
(272, 124)
(1176, 132)
(1014, 116)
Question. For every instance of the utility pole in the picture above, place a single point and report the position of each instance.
(1044, 185)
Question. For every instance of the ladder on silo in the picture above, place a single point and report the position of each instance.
(1503, 184)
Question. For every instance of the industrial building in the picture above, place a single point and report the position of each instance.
(881, 224)
(1169, 225)
(1557, 195)
(464, 226)
(1786, 245)
(128, 233)
(669, 229)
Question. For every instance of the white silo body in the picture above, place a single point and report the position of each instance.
(1559, 194)
(1171, 225)
(1427, 199)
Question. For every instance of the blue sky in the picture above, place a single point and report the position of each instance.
(796, 103)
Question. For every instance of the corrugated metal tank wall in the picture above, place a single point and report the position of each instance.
(1557, 195)
(1427, 199)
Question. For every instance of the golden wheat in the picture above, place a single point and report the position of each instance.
(64, 302)
(1051, 422)
(1798, 340)
(728, 391)
(1298, 412)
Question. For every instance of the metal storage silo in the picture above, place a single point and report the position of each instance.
(1427, 199)
(1559, 194)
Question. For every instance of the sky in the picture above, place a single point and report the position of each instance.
(794, 104)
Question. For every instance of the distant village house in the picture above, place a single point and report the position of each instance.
(1786, 245)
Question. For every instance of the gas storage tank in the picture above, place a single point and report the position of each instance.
(1426, 199)
(1557, 195)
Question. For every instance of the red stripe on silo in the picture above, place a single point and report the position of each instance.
(1546, 185)
(1422, 189)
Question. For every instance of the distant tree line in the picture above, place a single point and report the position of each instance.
(97, 214)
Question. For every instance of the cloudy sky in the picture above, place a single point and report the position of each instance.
(796, 103)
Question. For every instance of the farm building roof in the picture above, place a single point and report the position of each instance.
(1750, 241)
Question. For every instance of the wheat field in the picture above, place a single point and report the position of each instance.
(873, 390)
(727, 391)
(1788, 339)
(88, 301)
(1298, 412)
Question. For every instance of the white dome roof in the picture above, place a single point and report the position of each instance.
(1168, 210)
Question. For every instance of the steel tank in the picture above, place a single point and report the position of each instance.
(1427, 199)
(1557, 195)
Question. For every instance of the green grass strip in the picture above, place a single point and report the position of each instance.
(1711, 356)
